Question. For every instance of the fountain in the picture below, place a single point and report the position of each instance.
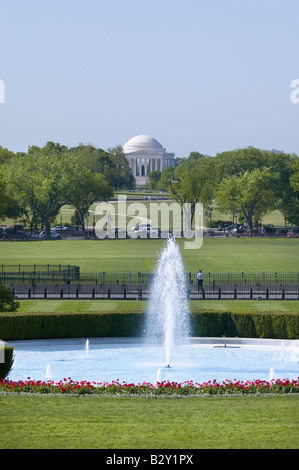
(165, 352)
(87, 347)
(48, 372)
(271, 374)
(168, 311)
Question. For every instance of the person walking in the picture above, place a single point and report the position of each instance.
(199, 281)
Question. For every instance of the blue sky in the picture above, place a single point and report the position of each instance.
(198, 75)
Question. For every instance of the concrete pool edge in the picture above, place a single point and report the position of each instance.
(137, 341)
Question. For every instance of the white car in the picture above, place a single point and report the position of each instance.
(54, 235)
(59, 227)
(145, 231)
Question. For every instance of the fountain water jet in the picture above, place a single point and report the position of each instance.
(168, 314)
(87, 347)
(48, 372)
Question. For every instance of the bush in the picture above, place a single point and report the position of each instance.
(69, 325)
(6, 366)
(278, 325)
(7, 300)
(22, 326)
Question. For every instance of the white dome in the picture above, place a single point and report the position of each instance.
(142, 143)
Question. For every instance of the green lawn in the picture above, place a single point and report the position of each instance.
(216, 255)
(63, 422)
(134, 306)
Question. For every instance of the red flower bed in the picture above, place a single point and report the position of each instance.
(68, 386)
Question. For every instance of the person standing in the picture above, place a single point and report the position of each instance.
(199, 281)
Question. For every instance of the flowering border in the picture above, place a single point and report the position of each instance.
(227, 387)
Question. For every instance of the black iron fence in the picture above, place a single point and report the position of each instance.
(71, 274)
(71, 283)
(38, 273)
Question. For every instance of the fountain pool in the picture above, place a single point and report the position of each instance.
(165, 352)
(130, 360)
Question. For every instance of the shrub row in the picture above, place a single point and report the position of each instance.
(68, 325)
(246, 324)
(20, 326)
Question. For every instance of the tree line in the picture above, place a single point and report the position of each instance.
(35, 185)
(248, 181)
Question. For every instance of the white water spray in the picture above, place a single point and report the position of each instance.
(87, 347)
(168, 310)
(48, 372)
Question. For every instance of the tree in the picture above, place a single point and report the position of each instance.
(91, 157)
(3, 196)
(237, 162)
(87, 188)
(7, 300)
(291, 205)
(154, 178)
(193, 182)
(251, 193)
(167, 177)
(47, 178)
(284, 165)
(120, 175)
(41, 180)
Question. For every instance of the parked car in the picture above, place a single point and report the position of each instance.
(254, 232)
(145, 230)
(54, 235)
(269, 230)
(282, 232)
(236, 228)
(293, 234)
(226, 224)
(62, 227)
(15, 232)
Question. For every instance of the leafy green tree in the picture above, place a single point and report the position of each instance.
(154, 178)
(193, 182)
(295, 177)
(47, 178)
(7, 300)
(237, 162)
(41, 179)
(85, 189)
(3, 196)
(284, 166)
(91, 157)
(120, 175)
(166, 179)
(291, 203)
(5, 156)
(251, 193)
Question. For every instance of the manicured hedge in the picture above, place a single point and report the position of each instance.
(246, 324)
(14, 326)
(69, 325)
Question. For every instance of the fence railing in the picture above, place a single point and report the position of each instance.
(65, 274)
(37, 268)
(141, 292)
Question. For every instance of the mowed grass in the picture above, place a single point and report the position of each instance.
(136, 306)
(215, 255)
(64, 422)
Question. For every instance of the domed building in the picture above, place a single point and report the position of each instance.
(146, 154)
